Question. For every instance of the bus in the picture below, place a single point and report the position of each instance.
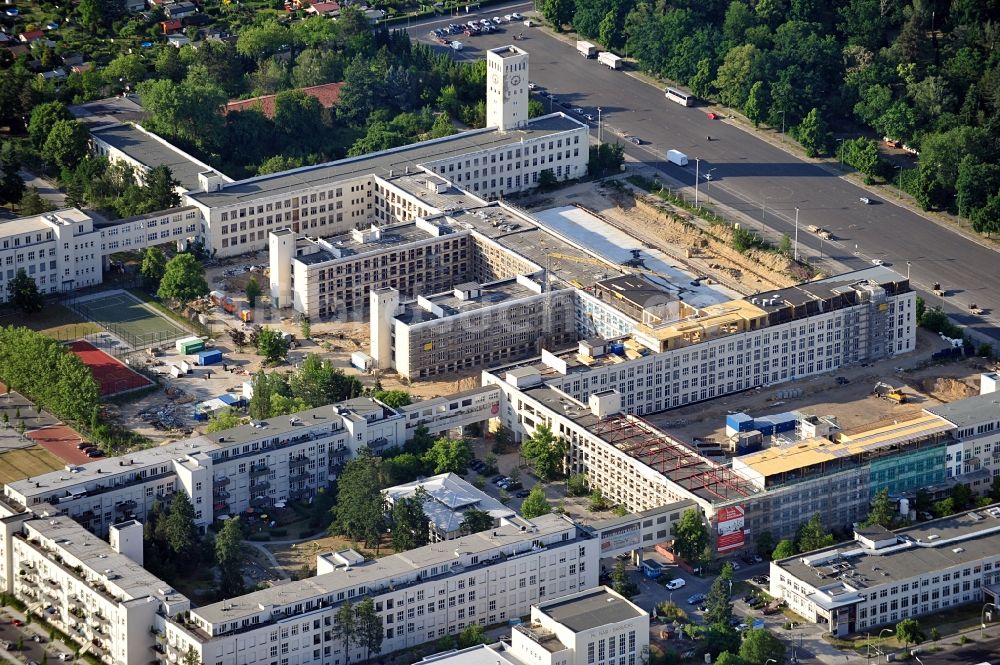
(679, 96)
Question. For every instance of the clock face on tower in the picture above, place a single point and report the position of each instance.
(496, 79)
(515, 79)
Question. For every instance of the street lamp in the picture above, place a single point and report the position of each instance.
(795, 252)
(884, 630)
(958, 197)
(697, 171)
(982, 619)
(782, 122)
(840, 149)
(708, 191)
(907, 271)
(899, 181)
(599, 134)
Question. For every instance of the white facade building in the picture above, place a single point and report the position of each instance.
(973, 457)
(420, 595)
(251, 466)
(883, 577)
(60, 250)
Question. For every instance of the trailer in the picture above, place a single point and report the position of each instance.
(586, 49)
(677, 157)
(610, 59)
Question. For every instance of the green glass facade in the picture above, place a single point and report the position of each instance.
(908, 471)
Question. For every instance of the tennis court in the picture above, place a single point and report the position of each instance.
(128, 318)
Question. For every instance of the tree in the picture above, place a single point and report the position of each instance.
(253, 291)
(11, 182)
(181, 532)
(154, 265)
(23, 293)
(718, 604)
(760, 645)
(620, 581)
(535, 504)
(191, 657)
(547, 180)
(359, 507)
(756, 103)
(784, 550)
(558, 12)
(597, 502)
(449, 455)
(474, 634)
(410, 526)
(228, 556)
(545, 452)
(962, 496)
(305, 327)
(272, 345)
(577, 485)
(66, 144)
(228, 419)
(345, 628)
(908, 631)
(266, 38)
(474, 521)
(183, 279)
(785, 245)
(765, 543)
(393, 398)
(370, 632)
(690, 535)
(43, 119)
(813, 134)
(882, 512)
(159, 190)
(995, 488)
(32, 203)
(318, 382)
(811, 535)
(727, 658)
(260, 397)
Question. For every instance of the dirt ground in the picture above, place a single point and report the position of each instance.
(300, 558)
(926, 384)
(643, 222)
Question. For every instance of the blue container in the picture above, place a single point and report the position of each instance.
(651, 569)
(618, 348)
(200, 416)
(740, 422)
(209, 357)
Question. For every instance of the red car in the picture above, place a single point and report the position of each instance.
(17, 622)
(712, 115)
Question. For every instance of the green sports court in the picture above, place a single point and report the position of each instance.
(127, 317)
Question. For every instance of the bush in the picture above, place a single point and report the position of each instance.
(259, 537)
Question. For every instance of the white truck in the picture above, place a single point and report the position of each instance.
(610, 59)
(586, 49)
(677, 157)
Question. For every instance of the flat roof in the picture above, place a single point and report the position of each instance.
(823, 289)
(123, 108)
(591, 610)
(422, 186)
(450, 498)
(494, 293)
(42, 222)
(382, 570)
(920, 550)
(676, 461)
(116, 569)
(348, 245)
(477, 655)
(808, 452)
(381, 163)
(148, 149)
(969, 411)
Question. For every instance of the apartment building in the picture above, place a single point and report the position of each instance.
(60, 250)
(178, 225)
(420, 595)
(591, 627)
(85, 587)
(448, 498)
(256, 466)
(882, 577)
(472, 326)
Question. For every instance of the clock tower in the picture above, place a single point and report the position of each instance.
(506, 88)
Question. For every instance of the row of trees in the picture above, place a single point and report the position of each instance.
(810, 536)
(315, 383)
(919, 73)
(48, 374)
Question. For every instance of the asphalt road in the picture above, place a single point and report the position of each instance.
(987, 651)
(755, 177)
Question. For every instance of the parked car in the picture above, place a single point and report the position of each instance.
(675, 584)
(515, 16)
(523, 494)
(496, 479)
(735, 564)
(16, 622)
(95, 453)
(696, 598)
(497, 20)
(636, 140)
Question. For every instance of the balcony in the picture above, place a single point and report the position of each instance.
(220, 507)
(220, 494)
(259, 470)
(299, 462)
(260, 502)
(303, 477)
(221, 482)
(259, 485)
(125, 506)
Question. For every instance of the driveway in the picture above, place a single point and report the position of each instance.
(46, 188)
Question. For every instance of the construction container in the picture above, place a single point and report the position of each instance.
(738, 422)
(175, 371)
(189, 345)
(246, 315)
(209, 357)
(186, 367)
(217, 297)
(748, 442)
(362, 361)
(229, 305)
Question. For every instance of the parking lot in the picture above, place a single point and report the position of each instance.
(35, 644)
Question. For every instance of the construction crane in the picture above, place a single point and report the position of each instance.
(607, 265)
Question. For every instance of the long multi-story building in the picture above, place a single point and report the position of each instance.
(973, 457)
(420, 596)
(882, 577)
(251, 466)
(61, 251)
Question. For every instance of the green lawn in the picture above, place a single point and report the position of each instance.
(54, 320)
